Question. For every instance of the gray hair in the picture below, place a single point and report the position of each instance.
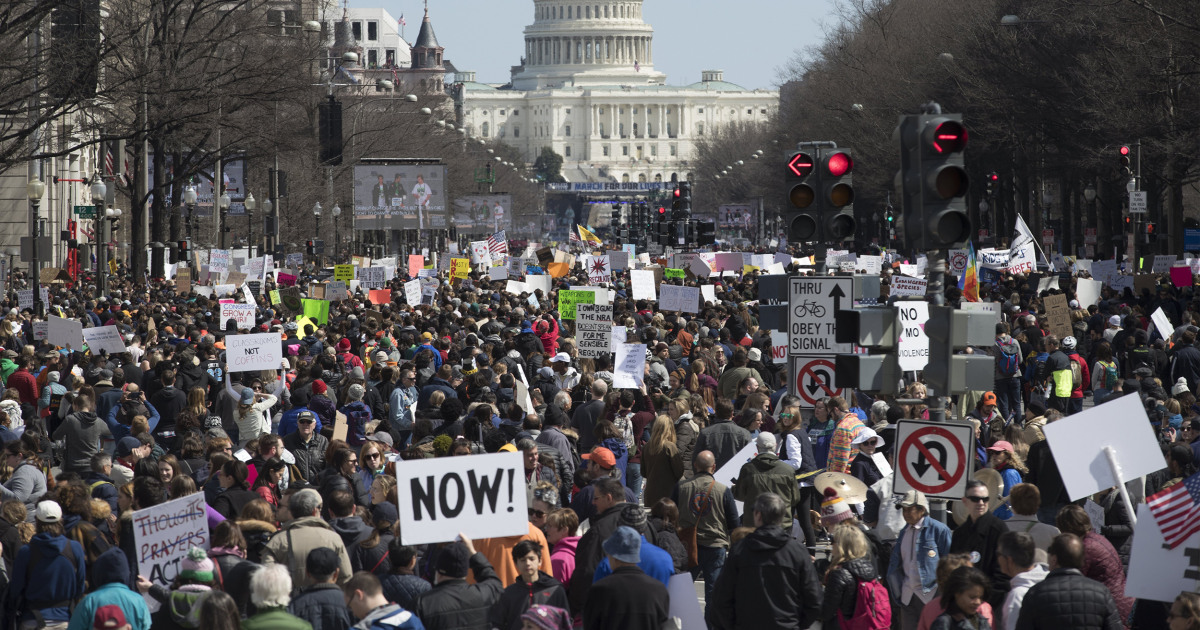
(879, 410)
(771, 508)
(563, 398)
(599, 389)
(525, 445)
(100, 461)
(271, 586)
(304, 503)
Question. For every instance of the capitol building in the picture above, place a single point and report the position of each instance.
(587, 88)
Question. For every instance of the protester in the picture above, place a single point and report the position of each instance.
(912, 572)
(1016, 553)
(452, 602)
(1065, 598)
(628, 599)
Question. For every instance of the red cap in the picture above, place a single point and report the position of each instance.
(1001, 445)
(602, 456)
(109, 617)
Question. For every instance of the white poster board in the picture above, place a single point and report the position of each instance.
(630, 364)
(593, 329)
(164, 534)
(243, 314)
(539, 282)
(709, 293)
(106, 338)
(412, 292)
(677, 298)
(1159, 317)
(371, 277)
(1087, 291)
(65, 333)
(246, 353)
(904, 286)
(1078, 442)
(1157, 572)
(482, 496)
(643, 284)
(913, 343)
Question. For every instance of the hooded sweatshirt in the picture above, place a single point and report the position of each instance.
(180, 608)
(1021, 583)
(111, 571)
(52, 578)
(562, 558)
(82, 430)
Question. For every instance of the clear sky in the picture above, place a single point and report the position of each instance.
(749, 39)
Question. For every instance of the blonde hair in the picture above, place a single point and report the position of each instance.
(849, 543)
(662, 435)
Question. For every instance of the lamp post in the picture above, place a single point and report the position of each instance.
(99, 193)
(224, 202)
(251, 203)
(189, 200)
(35, 189)
(268, 206)
(337, 233)
(316, 228)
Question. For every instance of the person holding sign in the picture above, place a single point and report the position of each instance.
(453, 603)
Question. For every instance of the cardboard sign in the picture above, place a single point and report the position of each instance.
(412, 292)
(163, 535)
(106, 338)
(593, 329)
(913, 343)
(911, 287)
(481, 496)
(630, 365)
(183, 281)
(249, 353)
(1058, 316)
(345, 273)
(341, 425)
(676, 298)
(65, 333)
(372, 277)
(1078, 444)
(237, 278)
(568, 299)
(642, 281)
(243, 314)
(218, 260)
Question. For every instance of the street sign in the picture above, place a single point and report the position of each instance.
(934, 457)
(85, 212)
(814, 380)
(1047, 238)
(1138, 203)
(1089, 236)
(984, 235)
(813, 300)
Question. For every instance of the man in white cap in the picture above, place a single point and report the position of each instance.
(48, 573)
(912, 572)
(565, 376)
(1114, 327)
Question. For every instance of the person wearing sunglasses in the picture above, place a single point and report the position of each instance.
(979, 537)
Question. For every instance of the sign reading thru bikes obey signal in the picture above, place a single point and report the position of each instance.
(813, 300)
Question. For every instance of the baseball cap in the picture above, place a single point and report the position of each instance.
(48, 512)
(602, 457)
(109, 617)
(454, 560)
(914, 497)
(989, 398)
(126, 445)
(561, 357)
(1002, 445)
(1115, 320)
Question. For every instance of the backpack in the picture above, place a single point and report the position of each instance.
(1111, 375)
(1076, 375)
(872, 608)
(1008, 364)
(1040, 371)
(1141, 357)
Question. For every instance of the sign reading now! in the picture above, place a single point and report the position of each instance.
(482, 496)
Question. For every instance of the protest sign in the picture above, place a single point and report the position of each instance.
(708, 292)
(336, 291)
(956, 261)
(568, 299)
(249, 296)
(318, 310)
(183, 281)
(1058, 316)
(1163, 263)
(536, 282)
(218, 260)
(1080, 444)
(617, 260)
(498, 273)
(41, 330)
(1181, 276)
(598, 270)
(630, 364)
(1087, 291)
(106, 338)
(699, 267)
(593, 329)
(243, 314)
(642, 281)
(684, 605)
(1159, 317)
(222, 290)
(908, 270)
(515, 287)
(1022, 260)
(1144, 282)
(460, 268)
(371, 277)
(65, 333)
(294, 260)
(1156, 571)
(345, 273)
(676, 298)
(913, 343)
(482, 496)
(481, 253)
(993, 259)
(620, 334)
(674, 274)
(416, 263)
(285, 279)
(912, 287)
(248, 353)
(163, 535)
(380, 296)
(779, 347)
(341, 425)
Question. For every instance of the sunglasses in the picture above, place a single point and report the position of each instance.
(978, 499)
(373, 456)
(306, 421)
(537, 513)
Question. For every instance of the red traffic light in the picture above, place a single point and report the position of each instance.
(949, 136)
(1124, 150)
(676, 193)
(1150, 228)
(662, 210)
(839, 164)
(800, 165)
(994, 177)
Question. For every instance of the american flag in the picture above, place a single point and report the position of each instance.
(498, 244)
(402, 22)
(575, 235)
(109, 160)
(1177, 510)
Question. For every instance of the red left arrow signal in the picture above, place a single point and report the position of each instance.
(801, 164)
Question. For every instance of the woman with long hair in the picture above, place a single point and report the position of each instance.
(219, 611)
(228, 549)
(370, 457)
(964, 595)
(371, 554)
(267, 483)
(686, 431)
(850, 563)
(253, 412)
(26, 483)
(1185, 612)
(257, 522)
(662, 461)
(194, 413)
(236, 490)
(383, 489)
(1012, 469)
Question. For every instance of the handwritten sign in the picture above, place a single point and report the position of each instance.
(631, 365)
(183, 281)
(643, 284)
(243, 314)
(371, 277)
(345, 273)
(598, 269)
(318, 310)
(481, 496)
(568, 299)
(1058, 316)
(163, 535)
(106, 338)
(459, 268)
(247, 353)
(906, 286)
(593, 329)
(683, 299)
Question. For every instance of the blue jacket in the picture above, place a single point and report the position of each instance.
(53, 579)
(358, 414)
(287, 422)
(437, 356)
(933, 537)
(119, 430)
(399, 401)
(117, 594)
(656, 562)
(1011, 478)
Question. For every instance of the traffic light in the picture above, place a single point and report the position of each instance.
(706, 234)
(615, 221)
(310, 247)
(185, 250)
(874, 328)
(993, 180)
(837, 180)
(802, 212)
(675, 200)
(1151, 232)
(949, 331)
(683, 198)
(1123, 160)
(329, 127)
(933, 180)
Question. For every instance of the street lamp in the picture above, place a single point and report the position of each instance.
(35, 189)
(99, 193)
(268, 205)
(251, 203)
(337, 234)
(224, 202)
(189, 200)
(1089, 193)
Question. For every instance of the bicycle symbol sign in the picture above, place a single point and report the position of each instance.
(812, 303)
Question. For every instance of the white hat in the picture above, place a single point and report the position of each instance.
(765, 442)
(1115, 320)
(1073, 304)
(755, 354)
(1181, 387)
(561, 357)
(866, 435)
(48, 512)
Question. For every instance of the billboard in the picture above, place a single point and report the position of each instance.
(483, 214)
(737, 217)
(400, 197)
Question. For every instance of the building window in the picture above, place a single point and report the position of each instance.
(516, 132)
(568, 13)
(654, 150)
(516, 112)
(390, 57)
(601, 110)
(568, 131)
(674, 177)
(625, 178)
(668, 111)
(763, 111)
(635, 111)
(567, 151)
(356, 30)
(658, 177)
(568, 111)
(750, 112)
(601, 129)
(699, 129)
(604, 150)
(625, 150)
(641, 178)
(635, 132)
(372, 31)
(673, 150)
(372, 58)
(503, 112)
(701, 110)
(621, 129)
(485, 129)
(621, 110)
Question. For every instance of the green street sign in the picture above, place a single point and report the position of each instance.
(85, 212)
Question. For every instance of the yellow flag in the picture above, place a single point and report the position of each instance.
(588, 236)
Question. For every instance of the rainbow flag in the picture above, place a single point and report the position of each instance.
(969, 281)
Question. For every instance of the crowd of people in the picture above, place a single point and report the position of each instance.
(621, 483)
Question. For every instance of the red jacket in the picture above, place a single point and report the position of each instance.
(549, 336)
(26, 384)
(1085, 382)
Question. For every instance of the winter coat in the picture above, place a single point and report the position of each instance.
(404, 589)
(1018, 587)
(1067, 599)
(82, 431)
(274, 619)
(231, 502)
(562, 558)
(946, 621)
(841, 589)
(310, 456)
(629, 600)
(255, 421)
(983, 536)
(389, 617)
(224, 560)
(27, 484)
(373, 559)
(654, 561)
(768, 583)
(53, 580)
(662, 470)
(686, 432)
(112, 594)
(323, 606)
(180, 608)
(724, 439)
(1102, 563)
(588, 553)
(765, 473)
(453, 603)
(306, 533)
(257, 534)
(352, 529)
(516, 599)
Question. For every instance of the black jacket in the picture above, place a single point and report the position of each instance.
(589, 553)
(322, 605)
(231, 502)
(372, 559)
(404, 589)
(627, 600)
(1067, 599)
(841, 589)
(983, 536)
(310, 457)
(517, 598)
(453, 604)
(768, 583)
(352, 529)
(1043, 473)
